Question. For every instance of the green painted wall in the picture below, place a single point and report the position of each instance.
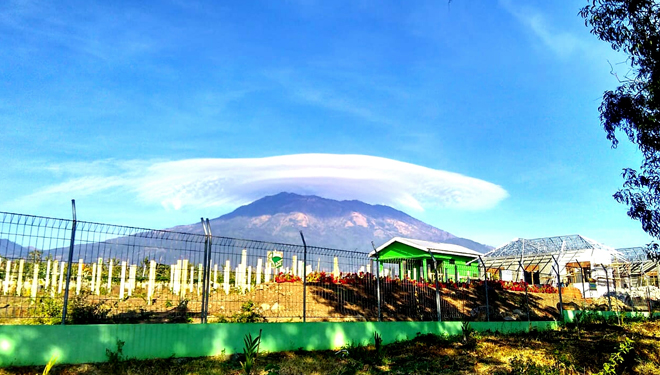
(398, 251)
(569, 315)
(34, 345)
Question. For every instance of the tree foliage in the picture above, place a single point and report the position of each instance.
(631, 27)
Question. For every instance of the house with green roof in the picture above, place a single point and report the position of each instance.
(416, 259)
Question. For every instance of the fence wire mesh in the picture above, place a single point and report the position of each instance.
(121, 274)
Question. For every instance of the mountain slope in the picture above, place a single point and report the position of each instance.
(350, 225)
(11, 250)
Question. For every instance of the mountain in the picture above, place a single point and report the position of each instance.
(350, 225)
(12, 250)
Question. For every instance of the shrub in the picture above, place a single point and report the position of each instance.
(50, 309)
(83, 311)
(249, 314)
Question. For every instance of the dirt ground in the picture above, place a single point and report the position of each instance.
(284, 302)
(325, 302)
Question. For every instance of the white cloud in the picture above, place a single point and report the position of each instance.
(340, 99)
(561, 43)
(227, 183)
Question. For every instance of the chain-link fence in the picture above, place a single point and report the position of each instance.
(99, 273)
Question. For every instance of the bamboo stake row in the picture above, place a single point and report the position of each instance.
(181, 276)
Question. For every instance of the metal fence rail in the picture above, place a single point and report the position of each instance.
(121, 274)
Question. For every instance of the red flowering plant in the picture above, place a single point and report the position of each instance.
(355, 278)
(321, 278)
(516, 286)
(547, 289)
(349, 279)
(390, 279)
(520, 286)
(286, 278)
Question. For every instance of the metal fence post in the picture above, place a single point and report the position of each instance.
(206, 241)
(648, 291)
(437, 290)
(377, 280)
(584, 292)
(205, 271)
(70, 259)
(607, 279)
(304, 277)
(561, 302)
(526, 295)
(208, 272)
(486, 288)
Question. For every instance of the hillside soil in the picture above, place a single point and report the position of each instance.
(325, 302)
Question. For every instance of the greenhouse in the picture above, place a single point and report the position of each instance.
(573, 260)
(635, 269)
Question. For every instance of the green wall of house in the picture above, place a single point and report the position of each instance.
(414, 258)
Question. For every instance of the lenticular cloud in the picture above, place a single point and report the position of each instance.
(228, 182)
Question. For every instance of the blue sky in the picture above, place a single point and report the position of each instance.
(477, 117)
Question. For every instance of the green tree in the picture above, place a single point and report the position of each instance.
(35, 256)
(631, 27)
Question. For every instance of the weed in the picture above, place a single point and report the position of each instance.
(520, 365)
(360, 352)
(116, 356)
(272, 369)
(609, 368)
(637, 318)
(181, 312)
(647, 368)
(433, 339)
(378, 345)
(49, 365)
(614, 319)
(251, 350)
(342, 353)
(584, 317)
(469, 335)
(116, 361)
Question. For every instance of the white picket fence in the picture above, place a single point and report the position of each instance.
(184, 277)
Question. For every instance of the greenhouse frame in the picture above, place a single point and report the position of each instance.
(572, 260)
(635, 269)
